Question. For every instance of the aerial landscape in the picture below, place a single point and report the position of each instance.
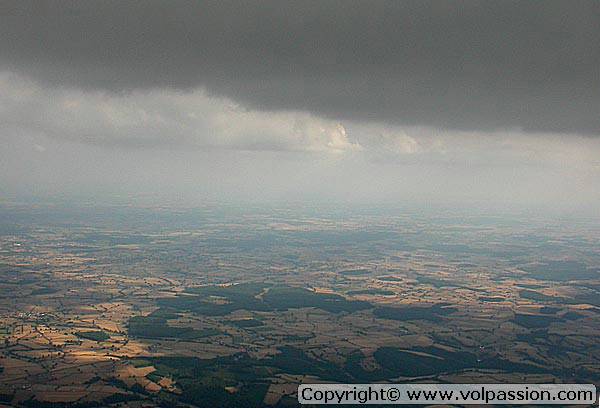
(224, 204)
(223, 307)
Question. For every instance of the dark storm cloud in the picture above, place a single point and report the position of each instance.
(476, 65)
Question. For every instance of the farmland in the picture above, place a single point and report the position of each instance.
(205, 308)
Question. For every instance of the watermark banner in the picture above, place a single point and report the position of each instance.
(398, 394)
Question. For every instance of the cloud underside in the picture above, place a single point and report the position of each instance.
(465, 65)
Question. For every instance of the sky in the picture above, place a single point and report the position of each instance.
(462, 103)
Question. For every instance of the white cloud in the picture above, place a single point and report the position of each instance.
(399, 143)
(161, 117)
(39, 148)
(169, 143)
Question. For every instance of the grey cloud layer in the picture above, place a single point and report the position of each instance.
(463, 65)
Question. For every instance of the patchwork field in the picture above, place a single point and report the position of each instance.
(236, 310)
